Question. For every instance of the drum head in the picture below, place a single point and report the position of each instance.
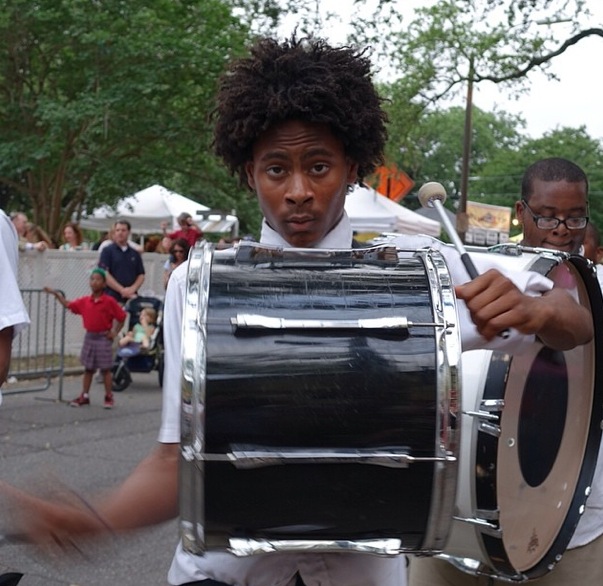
(545, 428)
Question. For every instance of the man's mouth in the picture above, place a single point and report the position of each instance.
(300, 222)
(559, 245)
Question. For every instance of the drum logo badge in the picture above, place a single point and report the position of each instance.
(533, 544)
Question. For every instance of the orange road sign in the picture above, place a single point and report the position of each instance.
(392, 182)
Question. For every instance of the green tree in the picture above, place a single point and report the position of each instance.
(101, 99)
(432, 149)
(499, 180)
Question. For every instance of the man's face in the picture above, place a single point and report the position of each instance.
(591, 250)
(20, 223)
(120, 234)
(554, 199)
(300, 173)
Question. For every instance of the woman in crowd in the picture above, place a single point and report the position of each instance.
(178, 254)
(35, 234)
(73, 238)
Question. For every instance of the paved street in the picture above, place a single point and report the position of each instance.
(90, 449)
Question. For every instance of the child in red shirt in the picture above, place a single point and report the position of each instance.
(99, 311)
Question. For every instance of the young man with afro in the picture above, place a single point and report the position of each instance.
(300, 122)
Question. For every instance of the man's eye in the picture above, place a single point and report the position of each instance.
(320, 167)
(274, 170)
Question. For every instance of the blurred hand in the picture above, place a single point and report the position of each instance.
(53, 524)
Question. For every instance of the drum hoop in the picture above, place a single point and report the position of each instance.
(194, 363)
(587, 272)
(448, 357)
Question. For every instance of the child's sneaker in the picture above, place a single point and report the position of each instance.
(80, 401)
(109, 402)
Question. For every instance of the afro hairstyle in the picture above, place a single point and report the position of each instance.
(306, 80)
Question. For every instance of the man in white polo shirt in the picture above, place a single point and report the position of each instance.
(13, 315)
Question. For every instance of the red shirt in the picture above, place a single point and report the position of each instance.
(97, 313)
(191, 235)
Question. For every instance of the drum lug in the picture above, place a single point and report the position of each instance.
(492, 405)
(489, 428)
(489, 410)
(482, 415)
(487, 422)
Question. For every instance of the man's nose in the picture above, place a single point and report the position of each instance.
(299, 190)
(562, 227)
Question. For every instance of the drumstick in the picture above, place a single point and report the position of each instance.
(432, 195)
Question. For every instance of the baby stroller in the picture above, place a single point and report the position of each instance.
(147, 359)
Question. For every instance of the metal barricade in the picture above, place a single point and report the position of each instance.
(38, 352)
(52, 343)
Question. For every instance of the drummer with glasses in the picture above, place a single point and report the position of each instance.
(553, 210)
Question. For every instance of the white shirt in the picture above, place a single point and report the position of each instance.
(316, 569)
(12, 310)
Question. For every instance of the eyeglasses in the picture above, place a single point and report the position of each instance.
(550, 223)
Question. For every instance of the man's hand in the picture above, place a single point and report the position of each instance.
(496, 304)
(128, 292)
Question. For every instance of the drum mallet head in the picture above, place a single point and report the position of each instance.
(432, 195)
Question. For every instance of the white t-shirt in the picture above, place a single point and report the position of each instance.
(12, 309)
(316, 569)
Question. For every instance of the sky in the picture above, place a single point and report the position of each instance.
(574, 100)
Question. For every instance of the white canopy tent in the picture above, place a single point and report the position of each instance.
(369, 211)
(147, 209)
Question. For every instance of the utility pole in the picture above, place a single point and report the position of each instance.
(462, 220)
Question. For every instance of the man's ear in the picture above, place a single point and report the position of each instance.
(519, 212)
(352, 172)
(249, 172)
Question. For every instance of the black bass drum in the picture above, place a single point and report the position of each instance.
(319, 400)
(530, 435)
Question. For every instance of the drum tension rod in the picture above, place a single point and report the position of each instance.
(262, 322)
(486, 527)
(259, 456)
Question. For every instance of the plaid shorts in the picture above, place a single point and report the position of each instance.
(97, 351)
